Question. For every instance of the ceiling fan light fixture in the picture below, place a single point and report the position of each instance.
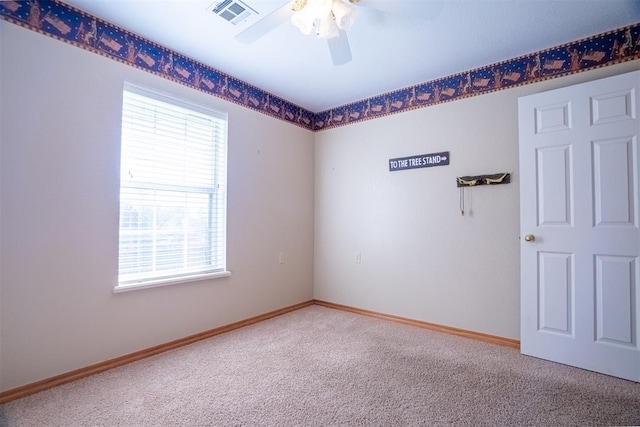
(304, 20)
(327, 28)
(328, 16)
(320, 7)
(344, 14)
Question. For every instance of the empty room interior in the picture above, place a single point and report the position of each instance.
(385, 176)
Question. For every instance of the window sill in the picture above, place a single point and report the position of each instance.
(170, 281)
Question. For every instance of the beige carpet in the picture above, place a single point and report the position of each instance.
(322, 367)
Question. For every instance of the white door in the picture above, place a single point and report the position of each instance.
(580, 225)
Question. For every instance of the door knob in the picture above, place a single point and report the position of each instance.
(529, 238)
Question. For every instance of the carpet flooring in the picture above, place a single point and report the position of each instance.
(323, 367)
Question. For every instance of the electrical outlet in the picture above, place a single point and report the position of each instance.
(358, 258)
(281, 258)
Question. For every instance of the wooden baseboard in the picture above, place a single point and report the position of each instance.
(48, 383)
(507, 342)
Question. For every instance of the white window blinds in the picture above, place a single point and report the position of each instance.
(172, 189)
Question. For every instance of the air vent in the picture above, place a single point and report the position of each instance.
(234, 11)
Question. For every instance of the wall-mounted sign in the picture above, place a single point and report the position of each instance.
(419, 161)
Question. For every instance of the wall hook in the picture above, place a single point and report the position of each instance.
(493, 179)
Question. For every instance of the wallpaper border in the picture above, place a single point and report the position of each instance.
(604, 49)
(66, 23)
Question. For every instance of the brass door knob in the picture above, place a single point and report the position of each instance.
(529, 238)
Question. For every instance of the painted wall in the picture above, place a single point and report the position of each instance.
(420, 258)
(60, 138)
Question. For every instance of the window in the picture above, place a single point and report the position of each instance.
(172, 191)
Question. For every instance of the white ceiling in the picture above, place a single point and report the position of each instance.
(391, 49)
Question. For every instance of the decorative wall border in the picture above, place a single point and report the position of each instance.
(66, 23)
(601, 50)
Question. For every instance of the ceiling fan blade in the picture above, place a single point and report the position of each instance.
(265, 25)
(339, 49)
(421, 9)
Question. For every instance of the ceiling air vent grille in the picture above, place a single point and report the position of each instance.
(233, 11)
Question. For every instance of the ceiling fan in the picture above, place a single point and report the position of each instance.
(330, 20)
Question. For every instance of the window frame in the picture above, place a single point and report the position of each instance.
(202, 274)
